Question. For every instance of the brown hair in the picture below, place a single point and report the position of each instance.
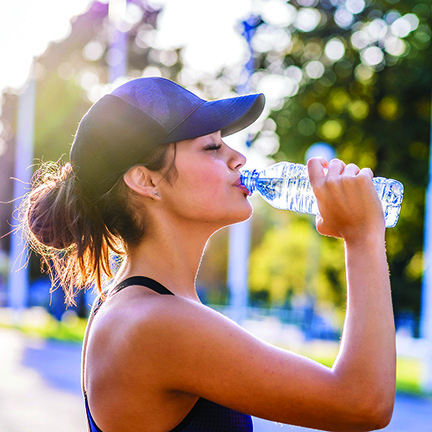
(77, 236)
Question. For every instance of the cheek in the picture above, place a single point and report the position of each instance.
(204, 185)
(208, 180)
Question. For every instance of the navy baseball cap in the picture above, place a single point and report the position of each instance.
(123, 127)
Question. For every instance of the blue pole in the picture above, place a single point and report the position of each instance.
(238, 269)
(239, 234)
(18, 280)
(426, 298)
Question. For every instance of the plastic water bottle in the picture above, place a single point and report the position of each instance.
(286, 186)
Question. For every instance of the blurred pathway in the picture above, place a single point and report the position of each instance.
(39, 385)
(40, 391)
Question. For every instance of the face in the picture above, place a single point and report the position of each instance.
(207, 186)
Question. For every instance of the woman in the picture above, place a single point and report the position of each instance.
(151, 178)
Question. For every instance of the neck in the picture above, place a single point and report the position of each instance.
(171, 256)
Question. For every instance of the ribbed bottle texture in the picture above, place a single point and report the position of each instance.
(286, 186)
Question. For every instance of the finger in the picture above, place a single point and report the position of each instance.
(367, 172)
(316, 168)
(351, 169)
(336, 167)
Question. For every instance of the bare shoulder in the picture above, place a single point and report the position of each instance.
(150, 322)
(159, 335)
(140, 319)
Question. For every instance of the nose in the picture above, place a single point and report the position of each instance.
(237, 160)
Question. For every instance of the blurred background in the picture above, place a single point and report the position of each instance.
(351, 75)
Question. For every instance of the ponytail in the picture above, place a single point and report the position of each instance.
(68, 230)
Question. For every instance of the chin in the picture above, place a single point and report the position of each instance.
(242, 216)
(232, 215)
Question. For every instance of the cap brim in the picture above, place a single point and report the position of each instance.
(225, 115)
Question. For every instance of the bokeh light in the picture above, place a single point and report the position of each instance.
(276, 87)
(358, 109)
(372, 56)
(93, 51)
(332, 129)
(389, 108)
(267, 143)
(404, 25)
(394, 46)
(307, 19)
(360, 40)
(343, 17)
(363, 73)
(269, 38)
(308, 3)
(317, 111)
(314, 69)
(278, 13)
(334, 49)
(376, 30)
(295, 73)
(391, 16)
(306, 127)
(355, 6)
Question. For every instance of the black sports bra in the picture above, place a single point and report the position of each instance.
(205, 416)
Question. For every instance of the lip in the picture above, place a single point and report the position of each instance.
(238, 184)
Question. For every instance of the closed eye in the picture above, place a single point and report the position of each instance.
(213, 147)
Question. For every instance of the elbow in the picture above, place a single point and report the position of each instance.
(367, 408)
(377, 412)
(379, 418)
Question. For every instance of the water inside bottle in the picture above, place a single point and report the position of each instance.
(390, 193)
(292, 194)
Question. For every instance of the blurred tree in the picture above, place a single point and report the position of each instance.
(355, 74)
(71, 74)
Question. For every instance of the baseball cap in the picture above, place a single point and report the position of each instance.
(124, 126)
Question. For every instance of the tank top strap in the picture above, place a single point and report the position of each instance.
(143, 281)
(134, 280)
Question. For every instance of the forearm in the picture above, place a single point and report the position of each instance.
(367, 357)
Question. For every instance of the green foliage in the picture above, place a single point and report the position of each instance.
(57, 118)
(279, 264)
(69, 330)
(293, 260)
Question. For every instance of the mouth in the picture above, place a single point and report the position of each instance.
(242, 187)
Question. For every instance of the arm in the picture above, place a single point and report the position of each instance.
(351, 209)
(192, 349)
(368, 354)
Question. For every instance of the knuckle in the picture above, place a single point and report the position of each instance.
(332, 182)
(365, 180)
(350, 181)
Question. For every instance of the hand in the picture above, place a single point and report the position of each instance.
(348, 203)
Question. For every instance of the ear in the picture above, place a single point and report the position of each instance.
(142, 181)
